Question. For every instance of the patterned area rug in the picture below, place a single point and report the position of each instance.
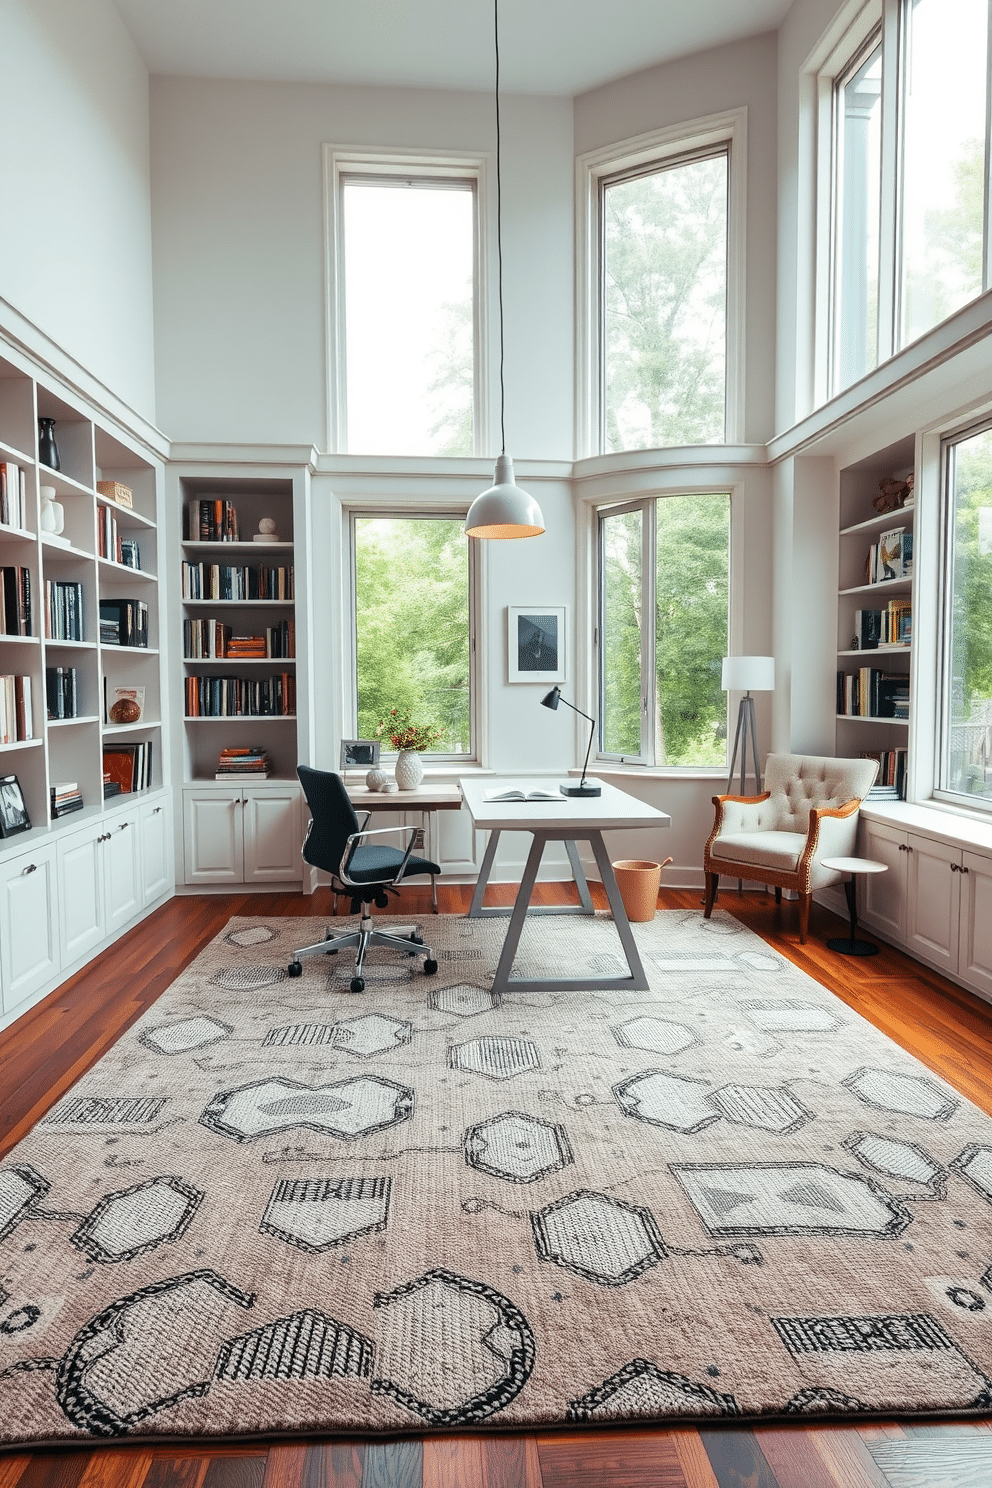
(274, 1207)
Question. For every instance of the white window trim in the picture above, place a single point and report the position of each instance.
(727, 129)
(341, 161)
(372, 506)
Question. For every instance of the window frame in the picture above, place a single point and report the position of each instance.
(635, 157)
(647, 505)
(342, 164)
(371, 510)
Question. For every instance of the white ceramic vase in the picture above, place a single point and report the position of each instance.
(409, 769)
(52, 511)
(375, 780)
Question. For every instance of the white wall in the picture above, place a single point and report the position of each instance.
(238, 203)
(75, 253)
(741, 75)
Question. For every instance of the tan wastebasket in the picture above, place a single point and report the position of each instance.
(638, 883)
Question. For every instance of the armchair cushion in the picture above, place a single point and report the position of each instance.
(778, 850)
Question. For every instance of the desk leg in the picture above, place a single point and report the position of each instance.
(501, 981)
(477, 910)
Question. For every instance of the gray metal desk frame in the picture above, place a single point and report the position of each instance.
(584, 822)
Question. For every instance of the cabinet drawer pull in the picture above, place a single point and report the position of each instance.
(156, 810)
(963, 869)
(955, 867)
(123, 826)
(903, 847)
(30, 868)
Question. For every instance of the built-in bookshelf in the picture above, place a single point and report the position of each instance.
(54, 580)
(875, 611)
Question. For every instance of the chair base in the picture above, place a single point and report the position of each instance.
(406, 940)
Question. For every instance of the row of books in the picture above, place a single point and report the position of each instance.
(126, 767)
(211, 521)
(123, 622)
(890, 783)
(205, 640)
(16, 715)
(249, 763)
(241, 697)
(64, 798)
(870, 693)
(237, 581)
(62, 692)
(13, 505)
(15, 601)
(111, 545)
(891, 557)
(891, 626)
(63, 610)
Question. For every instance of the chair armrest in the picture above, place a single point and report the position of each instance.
(359, 839)
(831, 834)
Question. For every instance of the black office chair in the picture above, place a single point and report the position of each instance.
(339, 845)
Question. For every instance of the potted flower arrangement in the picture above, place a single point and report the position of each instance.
(410, 740)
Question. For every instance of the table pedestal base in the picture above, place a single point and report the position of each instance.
(850, 945)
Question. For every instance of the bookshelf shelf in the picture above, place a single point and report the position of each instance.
(19, 744)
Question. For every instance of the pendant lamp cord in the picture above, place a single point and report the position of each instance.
(499, 240)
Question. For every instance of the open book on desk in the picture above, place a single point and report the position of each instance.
(519, 795)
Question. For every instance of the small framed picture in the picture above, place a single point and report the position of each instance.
(535, 643)
(13, 812)
(359, 754)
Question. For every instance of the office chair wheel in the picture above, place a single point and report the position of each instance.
(358, 984)
(430, 967)
(294, 969)
(381, 900)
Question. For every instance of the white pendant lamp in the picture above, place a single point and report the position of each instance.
(503, 510)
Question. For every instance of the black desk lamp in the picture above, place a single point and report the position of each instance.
(583, 788)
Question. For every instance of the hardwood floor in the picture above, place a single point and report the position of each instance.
(946, 1028)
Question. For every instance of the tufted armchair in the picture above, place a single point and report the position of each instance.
(808, 811)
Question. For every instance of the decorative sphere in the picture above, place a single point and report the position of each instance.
(375, 780)
(267, 524)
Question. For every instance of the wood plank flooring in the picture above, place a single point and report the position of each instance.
(946, 1028)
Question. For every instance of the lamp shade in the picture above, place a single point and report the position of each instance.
(748, 674)
(504, 510)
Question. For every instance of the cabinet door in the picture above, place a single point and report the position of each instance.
(29, 924)
(121, 884)
(933, 900)
(975, 950)
(212, 836)
(157, 874)
(883, 895)
(81, 893)
(273, 836)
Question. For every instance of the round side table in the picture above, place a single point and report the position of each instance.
(853, 866)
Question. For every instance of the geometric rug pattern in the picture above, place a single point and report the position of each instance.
(274, 1207)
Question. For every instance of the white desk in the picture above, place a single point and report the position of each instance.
(426, 799)
(573, 819)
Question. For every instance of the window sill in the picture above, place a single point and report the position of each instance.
(656, 772)
(935, 819)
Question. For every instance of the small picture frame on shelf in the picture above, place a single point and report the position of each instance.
(359, 754)
(535, 643)
(13, 812)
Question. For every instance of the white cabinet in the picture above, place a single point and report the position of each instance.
(29, 924)
(935, 901)
(251, 835)
(157, 872)
(99, 883)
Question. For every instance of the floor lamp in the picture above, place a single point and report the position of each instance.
(747, 674)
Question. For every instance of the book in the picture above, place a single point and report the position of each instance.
(890, 564)
(125, 705)
(518, 795)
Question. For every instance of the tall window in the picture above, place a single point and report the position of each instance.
(909, 132)
(664, 575)
(965, 768)
(413, 590)
(407, 295)
(664, 304)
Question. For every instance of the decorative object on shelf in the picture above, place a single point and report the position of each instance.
(114, 491)
(375, 780)
(359, 754)
(52, 517)
(535, 643)
(389, 787)
(747, 674)
(13, 812)
(503, 510)
(583, 788)
(48, 450)
(894, 492)
(266, 531)
(125, 704)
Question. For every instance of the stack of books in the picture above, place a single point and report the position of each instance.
(891, 782)
(127, 765)
(110, 787)
(123, 622)
(248, 763)
(62, 692)
(211, 521)
(248, 648)
(16, 712)
(65, 797)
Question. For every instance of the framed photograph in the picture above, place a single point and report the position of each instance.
(359, 754)
(535, 643)
(13, 812)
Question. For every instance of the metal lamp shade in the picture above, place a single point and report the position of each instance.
(504, 510)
